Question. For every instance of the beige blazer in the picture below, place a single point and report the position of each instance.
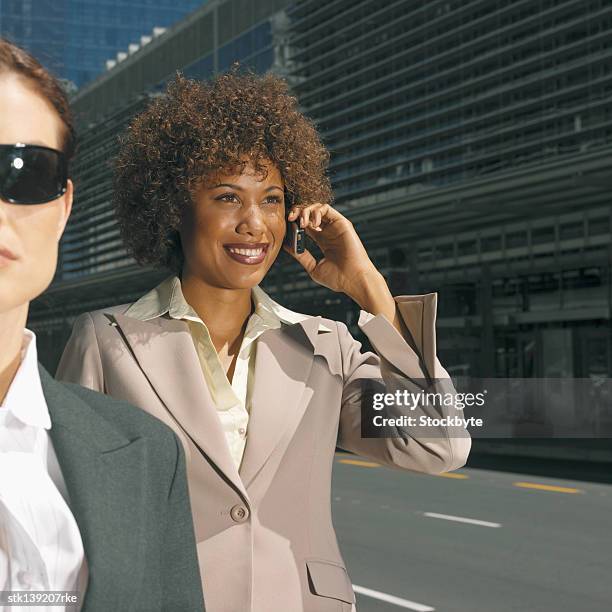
(264, 534)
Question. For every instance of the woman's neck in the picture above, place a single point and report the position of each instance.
(12, 324)
(224, 311)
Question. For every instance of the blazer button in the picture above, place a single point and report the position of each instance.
(239, 514)
(25, 579)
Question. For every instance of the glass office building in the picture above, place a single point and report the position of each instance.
(470, 144)
(38, 26)
(75, 38)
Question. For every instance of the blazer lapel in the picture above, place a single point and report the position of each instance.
(166, 354)
(103, 471)
(283, 363)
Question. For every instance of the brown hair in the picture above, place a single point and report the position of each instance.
(16, 60)
(195, 131)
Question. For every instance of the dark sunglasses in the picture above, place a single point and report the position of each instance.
(31, 174)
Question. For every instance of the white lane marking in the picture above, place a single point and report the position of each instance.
(392, 599)
(461, 519)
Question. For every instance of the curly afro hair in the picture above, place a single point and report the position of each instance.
(197, 131)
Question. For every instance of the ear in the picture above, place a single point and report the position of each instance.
(66, 208)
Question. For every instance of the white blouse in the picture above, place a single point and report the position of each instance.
(40, 543)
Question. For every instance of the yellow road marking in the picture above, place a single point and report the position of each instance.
(361, 463)
(543, 487)
(458, 476)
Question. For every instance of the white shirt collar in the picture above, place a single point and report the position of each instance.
(25, 399)
(160, 300)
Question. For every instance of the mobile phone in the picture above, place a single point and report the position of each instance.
(295, 236)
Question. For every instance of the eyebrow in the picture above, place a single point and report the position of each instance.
(240, 188)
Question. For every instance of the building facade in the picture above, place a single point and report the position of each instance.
(470, 145)
(74, 38)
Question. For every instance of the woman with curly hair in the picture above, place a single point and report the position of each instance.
(207, 179)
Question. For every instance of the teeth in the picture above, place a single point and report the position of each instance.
(248, 252)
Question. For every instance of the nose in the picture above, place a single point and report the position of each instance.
(3, 211)
(252, 222)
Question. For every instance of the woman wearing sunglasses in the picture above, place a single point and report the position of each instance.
(93, 495)
(260, 395)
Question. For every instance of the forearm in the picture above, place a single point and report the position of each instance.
(372, 294)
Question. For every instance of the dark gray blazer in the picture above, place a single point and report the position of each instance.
(125, 475)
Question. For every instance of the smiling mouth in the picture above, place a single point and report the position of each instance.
(249, 252)
(245, 255)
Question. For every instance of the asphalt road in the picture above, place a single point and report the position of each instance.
(539, 544)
